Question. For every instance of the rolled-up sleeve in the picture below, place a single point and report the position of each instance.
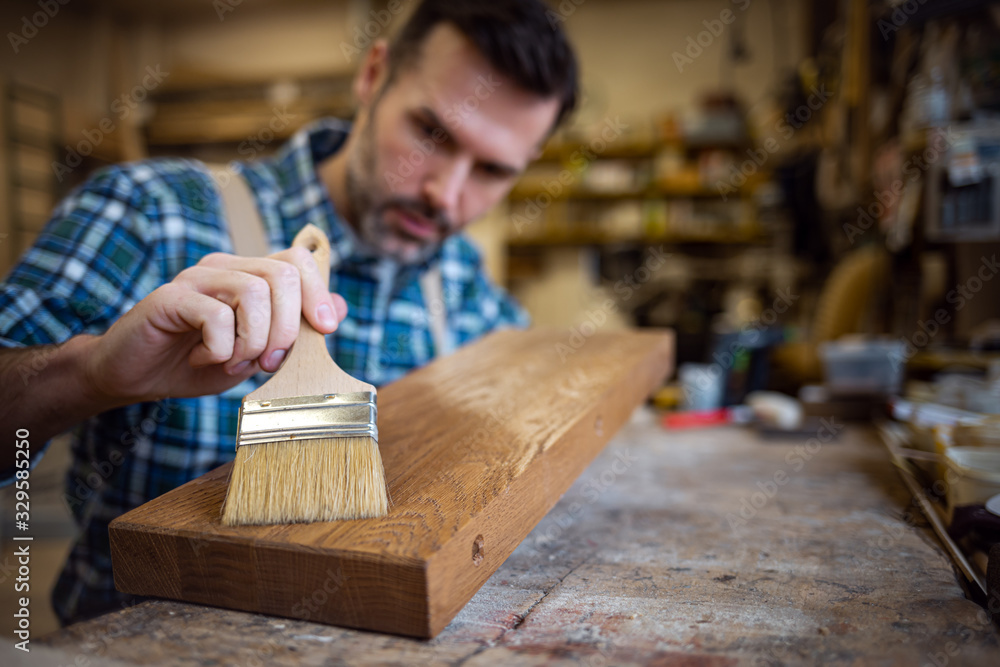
(90, 264)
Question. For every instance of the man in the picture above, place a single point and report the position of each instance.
(130, 316)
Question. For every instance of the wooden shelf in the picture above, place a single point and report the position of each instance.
(219, 122)
(589, 238)
(641, 149)
(937, 360)
(520, 193)
(187, 81)
(159, 10)
(615, 150)
(683, 184)
(205, 107)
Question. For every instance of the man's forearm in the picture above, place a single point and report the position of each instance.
(44, 389)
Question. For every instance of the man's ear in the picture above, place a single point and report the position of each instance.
(372, 74)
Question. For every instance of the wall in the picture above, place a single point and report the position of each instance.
(267, 41)
(626, 47)
(627, 51)
(68, 54)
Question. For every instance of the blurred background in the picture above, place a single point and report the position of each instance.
(806, 191)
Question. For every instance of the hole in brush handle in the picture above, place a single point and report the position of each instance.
(314, 240)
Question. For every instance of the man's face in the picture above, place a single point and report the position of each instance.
(438, 146)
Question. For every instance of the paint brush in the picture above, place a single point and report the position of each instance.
(307, 440)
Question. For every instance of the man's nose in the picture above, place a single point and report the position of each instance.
(444, 183)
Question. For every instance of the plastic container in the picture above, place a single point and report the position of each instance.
(863, 367)
(969, 393)
(985, 434)
(923, 418)
(973, 475)
(702, 386)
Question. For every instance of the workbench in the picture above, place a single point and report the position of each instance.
(699, 547)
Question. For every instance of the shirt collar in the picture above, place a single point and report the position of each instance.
(303, 197)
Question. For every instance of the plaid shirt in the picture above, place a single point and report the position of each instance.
(133, 227)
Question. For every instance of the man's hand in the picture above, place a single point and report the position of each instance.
(213, 326)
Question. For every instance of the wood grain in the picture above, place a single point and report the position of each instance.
(477, 447)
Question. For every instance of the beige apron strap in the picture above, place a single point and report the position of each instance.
(431, 287)
(246, 227)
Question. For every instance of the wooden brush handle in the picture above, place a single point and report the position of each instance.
(308, 369)
(314, 240)
(311, 342)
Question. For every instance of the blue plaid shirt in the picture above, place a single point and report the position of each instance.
(133, 227)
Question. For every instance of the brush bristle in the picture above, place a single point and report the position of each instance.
(306, 480)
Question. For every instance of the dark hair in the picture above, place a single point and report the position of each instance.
(518, 37)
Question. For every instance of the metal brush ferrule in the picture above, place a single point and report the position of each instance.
(325, 416)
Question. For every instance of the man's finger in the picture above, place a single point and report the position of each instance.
(248, 295)
(340, 307)
(317, 303)
(216, 322)
(285, 309)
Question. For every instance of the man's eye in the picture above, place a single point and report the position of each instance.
(425, 128)
(492, 171)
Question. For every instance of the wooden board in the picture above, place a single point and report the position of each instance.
(477, 447)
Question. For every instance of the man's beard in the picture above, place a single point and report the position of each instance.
(374, 232)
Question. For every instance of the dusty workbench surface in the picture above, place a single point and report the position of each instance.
(706, 547)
